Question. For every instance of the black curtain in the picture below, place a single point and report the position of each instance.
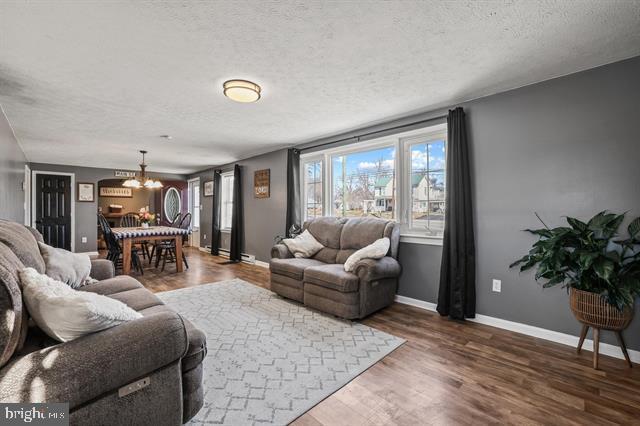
(457, 294)
(293, 189)
(215, 234)
(237, 219)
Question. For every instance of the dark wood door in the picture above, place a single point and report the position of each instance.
(53, 209)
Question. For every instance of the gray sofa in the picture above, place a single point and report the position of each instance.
(322, 283)
(89, 372)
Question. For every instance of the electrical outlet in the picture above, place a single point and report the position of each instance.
(84, 239)
(497, 286)
(205, 236)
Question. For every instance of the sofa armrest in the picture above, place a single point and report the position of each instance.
(102, 269)
(83, 369)
(280, 251)
(376, 269)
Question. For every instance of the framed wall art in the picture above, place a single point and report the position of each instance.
(208, 188)
(86, 192)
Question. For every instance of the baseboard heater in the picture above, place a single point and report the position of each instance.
(246, 258)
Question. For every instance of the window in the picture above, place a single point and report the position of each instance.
(427, 172)
(364, 183)
(369, 179)
(312, 189)
(226, 200)
(171, 204)
(196, 205)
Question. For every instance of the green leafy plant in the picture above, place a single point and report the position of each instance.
(589, 257)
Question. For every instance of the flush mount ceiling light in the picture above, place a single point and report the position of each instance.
(241, 90)
(144, 181)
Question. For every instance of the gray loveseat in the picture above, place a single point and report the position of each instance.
(322, 283)
(91, 373)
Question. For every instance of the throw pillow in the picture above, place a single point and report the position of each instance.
(376, 250)
(63, 265)
(66, 314)
(304, 245)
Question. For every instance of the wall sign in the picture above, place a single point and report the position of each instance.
(262, 183)
(124, 173)
(118, 192)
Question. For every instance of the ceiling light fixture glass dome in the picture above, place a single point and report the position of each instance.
(241, 90)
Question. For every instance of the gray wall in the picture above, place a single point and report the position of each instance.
(567, 146)
(85, 213)
(264, 218)
(12, 162)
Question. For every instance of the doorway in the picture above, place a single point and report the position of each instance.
(194, 209)
(52, 206)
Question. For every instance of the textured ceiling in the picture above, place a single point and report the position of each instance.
(90, 83)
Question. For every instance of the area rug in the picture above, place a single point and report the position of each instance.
(270, 360)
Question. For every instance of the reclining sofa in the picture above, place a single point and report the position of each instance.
(322, 283)
(146, 371)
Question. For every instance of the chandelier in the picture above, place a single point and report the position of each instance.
(147, 182)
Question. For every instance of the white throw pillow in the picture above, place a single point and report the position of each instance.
(66, 314)
(304, 245)
(376, 250)
(62, 265)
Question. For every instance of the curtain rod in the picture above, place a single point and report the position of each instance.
(363, 135)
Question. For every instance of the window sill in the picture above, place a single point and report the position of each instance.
(420, 239)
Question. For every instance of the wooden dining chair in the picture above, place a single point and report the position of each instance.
(114, 250)
(132, 220)
(156, 246)
(167, 249)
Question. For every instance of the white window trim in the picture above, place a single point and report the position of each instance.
(311, 158)
(402, 143)
(406, 228)
(222, 176)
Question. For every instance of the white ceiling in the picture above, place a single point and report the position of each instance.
(90, 84)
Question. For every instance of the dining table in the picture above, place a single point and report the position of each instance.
(130, 236)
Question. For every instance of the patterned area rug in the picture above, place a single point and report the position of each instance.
(270, 360)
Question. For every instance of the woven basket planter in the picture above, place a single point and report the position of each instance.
(593, 310)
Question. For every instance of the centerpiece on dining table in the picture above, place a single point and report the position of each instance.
(146, 217)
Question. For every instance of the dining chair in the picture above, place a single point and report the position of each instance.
(156, 246)
(114, 250)
(167, 249)
(132, 220)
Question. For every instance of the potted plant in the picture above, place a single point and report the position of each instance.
(146, 218)
(600, 270)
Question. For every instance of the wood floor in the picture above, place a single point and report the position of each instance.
(453, 373)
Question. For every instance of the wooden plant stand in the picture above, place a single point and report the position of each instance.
(592, 311)
(596, 344)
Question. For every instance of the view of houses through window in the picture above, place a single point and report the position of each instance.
(401, 178)
(427, 186)
(363, 183)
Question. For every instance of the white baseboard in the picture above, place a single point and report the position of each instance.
(529, 330)
(225, 253)
(262, 264)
